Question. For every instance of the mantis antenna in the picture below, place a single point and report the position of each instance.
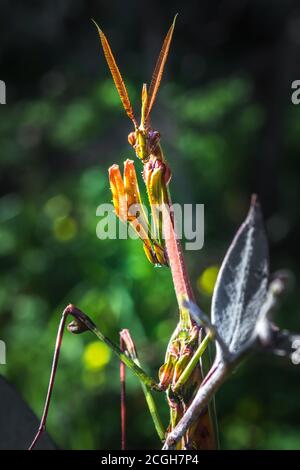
(158, 70)
(116, 75)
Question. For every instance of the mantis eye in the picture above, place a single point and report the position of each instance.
(132, 138)
(154, 138)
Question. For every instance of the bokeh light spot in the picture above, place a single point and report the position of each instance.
(96, 356)
(206, 282)
(57, 206)
(64, 228)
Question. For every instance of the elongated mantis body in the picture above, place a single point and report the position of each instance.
(241, 290)
(182, 373)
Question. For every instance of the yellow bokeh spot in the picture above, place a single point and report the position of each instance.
(64, 228)
(96, 356)
(206, 282)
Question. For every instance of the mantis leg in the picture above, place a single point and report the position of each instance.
(83, 321)
(58, 343)
(212, 334)
(80, 324)
(130, 347)
(192, 363)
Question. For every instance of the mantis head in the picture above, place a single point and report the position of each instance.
(144, 139)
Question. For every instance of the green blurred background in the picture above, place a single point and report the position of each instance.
(228, 129)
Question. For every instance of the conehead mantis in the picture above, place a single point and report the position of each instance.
(243, 299)
(182, 373)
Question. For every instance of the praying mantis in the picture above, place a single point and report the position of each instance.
(183, 371)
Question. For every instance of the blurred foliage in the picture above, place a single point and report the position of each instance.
(57, 142)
